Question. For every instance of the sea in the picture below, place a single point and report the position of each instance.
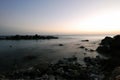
(13, 52)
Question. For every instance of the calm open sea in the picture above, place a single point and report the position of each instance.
(47, 51)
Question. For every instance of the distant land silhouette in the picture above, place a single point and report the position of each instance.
(27, 37)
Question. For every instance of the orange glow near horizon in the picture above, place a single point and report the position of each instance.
(106, 23)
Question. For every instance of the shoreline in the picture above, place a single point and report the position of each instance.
(69, 68)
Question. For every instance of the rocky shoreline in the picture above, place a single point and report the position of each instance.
(71, 69)
(110, 47)
(64, 69)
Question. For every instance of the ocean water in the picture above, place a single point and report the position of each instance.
(47, 51)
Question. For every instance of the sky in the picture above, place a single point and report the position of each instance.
(59, 17)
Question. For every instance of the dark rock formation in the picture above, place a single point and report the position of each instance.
(110, 46)
(85, 40)
(106, 41)
(115, 74)
(27, 37)
(82, 47)
(91, 50)
(61, 45)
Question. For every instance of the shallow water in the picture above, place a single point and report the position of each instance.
(47, 51)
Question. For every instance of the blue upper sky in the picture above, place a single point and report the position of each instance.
(59, 16)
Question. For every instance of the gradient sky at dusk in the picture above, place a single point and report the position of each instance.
(59, 17)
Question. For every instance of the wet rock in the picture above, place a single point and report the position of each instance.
(45, 77)
(110, 46)
(106, 41)
(85, 40)
(105, 45)
(115, 74)
(61, 45)
(86, 49)
(91, 50)
(84, 53)
(103, 49)
(82, 47)
(87, 59)
(2, 77)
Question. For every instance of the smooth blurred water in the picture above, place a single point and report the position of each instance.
(47, 51)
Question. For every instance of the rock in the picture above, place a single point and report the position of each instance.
(91, 50)
(103, 49)
(106, 41)
(45, 77)
(115, 74)
(82, 47)
(27, 37)
(86, 49)
(110, 46)
(61, 45)
(69, 69)
(2, 77)
(87, 59)
(84, 53)
(85, 40)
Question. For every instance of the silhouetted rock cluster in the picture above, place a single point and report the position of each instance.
(86, 49)
(28, 37)
(110, 46)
